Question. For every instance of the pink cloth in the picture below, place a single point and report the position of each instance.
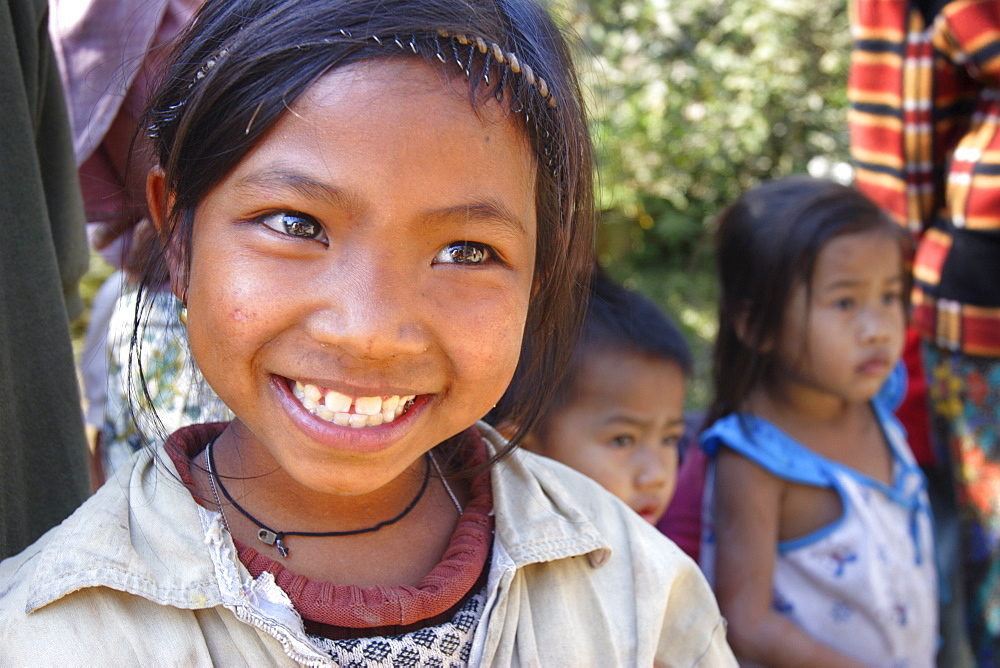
(682, 521)
(109, 53)
(913, 412)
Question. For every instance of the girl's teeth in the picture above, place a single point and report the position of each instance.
(313, 394)
(337, 402)
(368, 405)
(332, 406)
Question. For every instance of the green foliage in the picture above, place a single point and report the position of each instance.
(693, 101)
(89, 285)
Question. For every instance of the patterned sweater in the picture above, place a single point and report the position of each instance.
(925, 110)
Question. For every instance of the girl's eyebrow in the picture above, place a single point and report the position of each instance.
(485, 211)
(482, 211)
(852, 282)
(622, 418)
(278, 180)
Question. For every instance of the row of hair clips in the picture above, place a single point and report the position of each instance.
(491, 51)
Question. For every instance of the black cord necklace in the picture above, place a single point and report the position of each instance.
(269, 536)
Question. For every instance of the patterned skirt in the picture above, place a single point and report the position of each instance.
(965, 417)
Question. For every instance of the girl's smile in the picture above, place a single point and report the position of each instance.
(368, 432)
(347, 411)
(359, 283)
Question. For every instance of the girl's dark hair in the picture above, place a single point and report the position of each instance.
(617, 320)
(767, 242)
(243, 63)
(622, 319)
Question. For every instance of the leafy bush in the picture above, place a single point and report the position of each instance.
(692, 102)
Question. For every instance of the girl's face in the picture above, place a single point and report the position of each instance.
(359, 283)
(842, 337)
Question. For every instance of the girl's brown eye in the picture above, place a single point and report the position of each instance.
(465, 252)
(621, 441)
(294, 225)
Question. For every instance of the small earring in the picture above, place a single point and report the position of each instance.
(183, 315)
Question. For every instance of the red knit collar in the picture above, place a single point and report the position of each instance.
(375, 607)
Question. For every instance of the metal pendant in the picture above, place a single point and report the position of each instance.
(271, 538)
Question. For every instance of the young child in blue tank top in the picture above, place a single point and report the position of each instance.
(816, 526)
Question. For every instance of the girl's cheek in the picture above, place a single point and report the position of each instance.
(239, 315)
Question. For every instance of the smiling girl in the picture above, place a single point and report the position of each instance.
(368, 208)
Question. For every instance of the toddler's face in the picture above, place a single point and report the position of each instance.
(842, 338)
(622, 427)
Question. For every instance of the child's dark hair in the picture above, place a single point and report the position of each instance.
(243, 63)
(767, 243)
(617, 320)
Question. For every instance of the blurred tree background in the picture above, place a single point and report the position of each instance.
(693, 101)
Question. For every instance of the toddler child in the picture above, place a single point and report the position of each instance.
(617, 413)
(817, 531)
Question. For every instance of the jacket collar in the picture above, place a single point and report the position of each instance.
(543, 508)
(143, 533)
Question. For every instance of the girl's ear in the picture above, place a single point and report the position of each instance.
(507, 429)
(530, 441)
(742, 327)
(160, 201)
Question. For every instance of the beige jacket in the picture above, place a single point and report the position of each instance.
(142, 575)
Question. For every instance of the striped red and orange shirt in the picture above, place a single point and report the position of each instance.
(925, 136)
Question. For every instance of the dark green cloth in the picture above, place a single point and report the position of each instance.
(43, 254)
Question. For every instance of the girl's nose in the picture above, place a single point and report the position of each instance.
(369, 310)
(875, 326)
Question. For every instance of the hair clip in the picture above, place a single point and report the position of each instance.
(503, 84)
(163, 118)
(486, 67)
(209, 64)
(454, 50)
(468, 63)
(493, 56)
(437, 49)
(253, 118)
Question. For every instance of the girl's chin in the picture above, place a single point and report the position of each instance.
(348, 483)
